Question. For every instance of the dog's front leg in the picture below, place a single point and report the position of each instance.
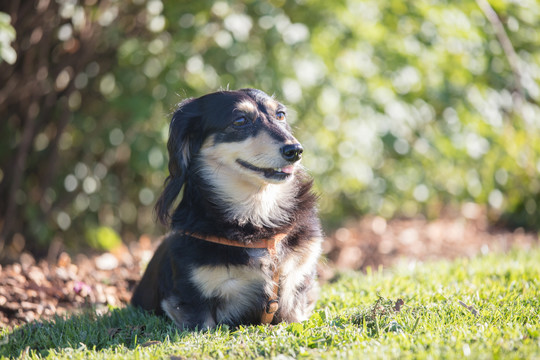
(189, 314)
(184, 303)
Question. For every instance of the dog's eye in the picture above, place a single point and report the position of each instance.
(241, 121)
(281, 116)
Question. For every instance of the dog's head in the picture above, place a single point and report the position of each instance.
(240, 145)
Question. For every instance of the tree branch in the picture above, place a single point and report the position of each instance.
(511, 55)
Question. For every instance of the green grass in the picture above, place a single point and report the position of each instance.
(484, 308)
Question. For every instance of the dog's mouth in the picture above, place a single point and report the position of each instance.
(269, 173)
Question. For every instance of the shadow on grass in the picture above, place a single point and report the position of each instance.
(127, 326)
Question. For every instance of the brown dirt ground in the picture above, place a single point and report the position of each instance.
(31, 290)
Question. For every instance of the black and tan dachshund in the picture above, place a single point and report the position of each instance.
(245, 237)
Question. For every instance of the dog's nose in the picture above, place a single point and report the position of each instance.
(292, 152)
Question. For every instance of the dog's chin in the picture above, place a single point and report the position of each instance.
(269, 175)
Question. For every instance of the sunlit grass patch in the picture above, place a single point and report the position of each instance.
(487, 307)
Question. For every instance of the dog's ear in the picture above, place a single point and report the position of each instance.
(182, 145)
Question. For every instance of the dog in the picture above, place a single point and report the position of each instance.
(245, 237)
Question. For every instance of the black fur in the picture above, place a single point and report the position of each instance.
(170, 273)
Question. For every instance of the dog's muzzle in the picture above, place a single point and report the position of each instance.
(292, 153)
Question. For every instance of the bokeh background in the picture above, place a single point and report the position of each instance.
(405, 109)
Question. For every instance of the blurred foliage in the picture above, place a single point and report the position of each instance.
(404, 108)
(103, 238)
(7, 35)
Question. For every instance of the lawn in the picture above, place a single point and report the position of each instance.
(482, 308)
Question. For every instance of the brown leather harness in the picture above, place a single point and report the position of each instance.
(272, 305)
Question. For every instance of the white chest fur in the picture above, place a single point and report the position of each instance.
(238, 287)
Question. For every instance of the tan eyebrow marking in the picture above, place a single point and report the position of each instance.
(271, 104)
(246, 106)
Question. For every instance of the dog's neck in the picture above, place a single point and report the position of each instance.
(262, 207)
(269, 210)
(242, 202)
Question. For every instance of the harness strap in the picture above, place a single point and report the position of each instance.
(272, 304)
